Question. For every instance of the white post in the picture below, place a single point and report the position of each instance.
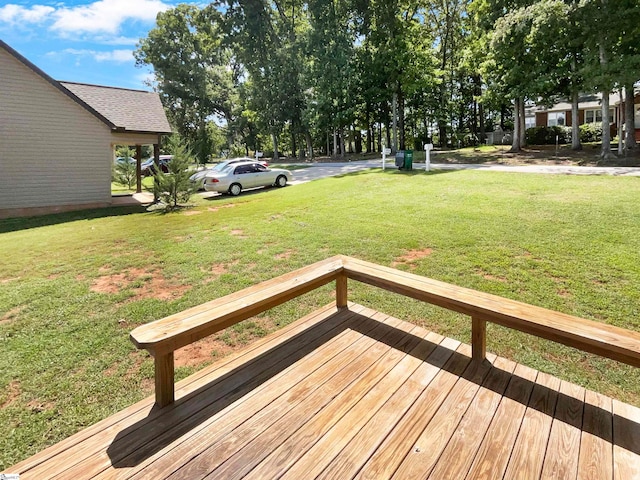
(427, 151)
(384, 156)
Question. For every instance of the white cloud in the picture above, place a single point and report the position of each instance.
(116, 56)
(17, 14)
(99, 17)
(105, 16)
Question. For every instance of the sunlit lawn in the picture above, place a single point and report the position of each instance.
(73, 286)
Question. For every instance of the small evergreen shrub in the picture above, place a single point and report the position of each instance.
(174, 188)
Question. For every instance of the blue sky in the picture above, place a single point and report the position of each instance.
(82, 41)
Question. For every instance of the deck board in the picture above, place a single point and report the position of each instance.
(355, 393)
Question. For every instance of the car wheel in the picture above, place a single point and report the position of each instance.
(281, 181)
(235, 189)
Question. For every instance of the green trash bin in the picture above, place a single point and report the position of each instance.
(408, 159)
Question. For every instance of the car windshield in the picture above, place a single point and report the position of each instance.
(220, 167)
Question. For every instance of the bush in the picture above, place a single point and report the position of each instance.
(590, 132)
(174, 188)
(547, 135)
(124, 173)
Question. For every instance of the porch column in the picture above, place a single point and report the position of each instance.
(156, 161)
(138, 168)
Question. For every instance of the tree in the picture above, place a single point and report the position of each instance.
(191, 66)
(174, 188)
(124, 170)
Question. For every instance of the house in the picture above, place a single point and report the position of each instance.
(57, 138)
(589, 111)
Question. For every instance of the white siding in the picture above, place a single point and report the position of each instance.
(52, 150)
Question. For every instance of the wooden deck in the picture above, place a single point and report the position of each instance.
(354, 393)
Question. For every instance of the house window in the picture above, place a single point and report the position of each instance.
(637, 116)
(529, 122)
(595, 116)
(555, 118)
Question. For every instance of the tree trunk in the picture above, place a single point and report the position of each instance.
(276, 154)
(307, 137)
(341, 136)
(606, 130)
(401, 133)
(629, 119)
(442, 131)
(369, 129)
(294, 144)
(335, 143)
(523, 136)
(515, 144)
(394, 121)
(575, 121)
(483, 134)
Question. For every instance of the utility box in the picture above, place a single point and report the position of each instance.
(404, 159)
(400, 159)
(408, 159)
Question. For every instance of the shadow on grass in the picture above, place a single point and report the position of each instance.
(25, 223)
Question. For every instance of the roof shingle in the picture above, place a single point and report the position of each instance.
(131, 110)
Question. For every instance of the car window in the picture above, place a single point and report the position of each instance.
(221, 166)
(243, 169)
(261, 168)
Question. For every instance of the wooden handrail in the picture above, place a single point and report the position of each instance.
(161, 338)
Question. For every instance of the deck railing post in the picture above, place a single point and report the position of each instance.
(341, 291)
(164, 379)
(478, 338)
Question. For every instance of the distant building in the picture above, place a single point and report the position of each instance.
(589, 111)
(57, 138)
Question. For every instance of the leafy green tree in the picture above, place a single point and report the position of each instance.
(173, 188)
(192, 69)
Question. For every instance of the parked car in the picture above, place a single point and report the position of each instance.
(197, 179)
(148, 166)
(236, 177)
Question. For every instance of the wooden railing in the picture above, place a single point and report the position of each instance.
(162, 337)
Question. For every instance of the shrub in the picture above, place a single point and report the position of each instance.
(547, 135)
(124, 173)
(174, 188)
(590, 132)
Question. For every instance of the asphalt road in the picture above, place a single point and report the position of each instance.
(316, 171)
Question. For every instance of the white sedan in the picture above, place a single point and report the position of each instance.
(197, 179)
(241, 176)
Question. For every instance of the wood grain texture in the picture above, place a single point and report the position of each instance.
(626, 441)
(596, 448)
(563, 449)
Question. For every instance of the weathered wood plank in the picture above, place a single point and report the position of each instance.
(605, 340)
(453, 360)
(478, 339)
(596, 444)
(367, 440)
(626, 441)
(493, 455)
(337, 396)
(267, 404)
(563, 449)
(184, 328)
(528, 453)
(428, 447)
(331, 444)
(128, 442)
(457, 457)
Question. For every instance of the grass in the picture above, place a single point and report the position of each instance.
(72, 286)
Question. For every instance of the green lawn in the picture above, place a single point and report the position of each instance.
(73, 286)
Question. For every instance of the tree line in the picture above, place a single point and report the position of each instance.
(336, 76)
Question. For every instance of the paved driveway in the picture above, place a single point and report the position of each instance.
(322, 170)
